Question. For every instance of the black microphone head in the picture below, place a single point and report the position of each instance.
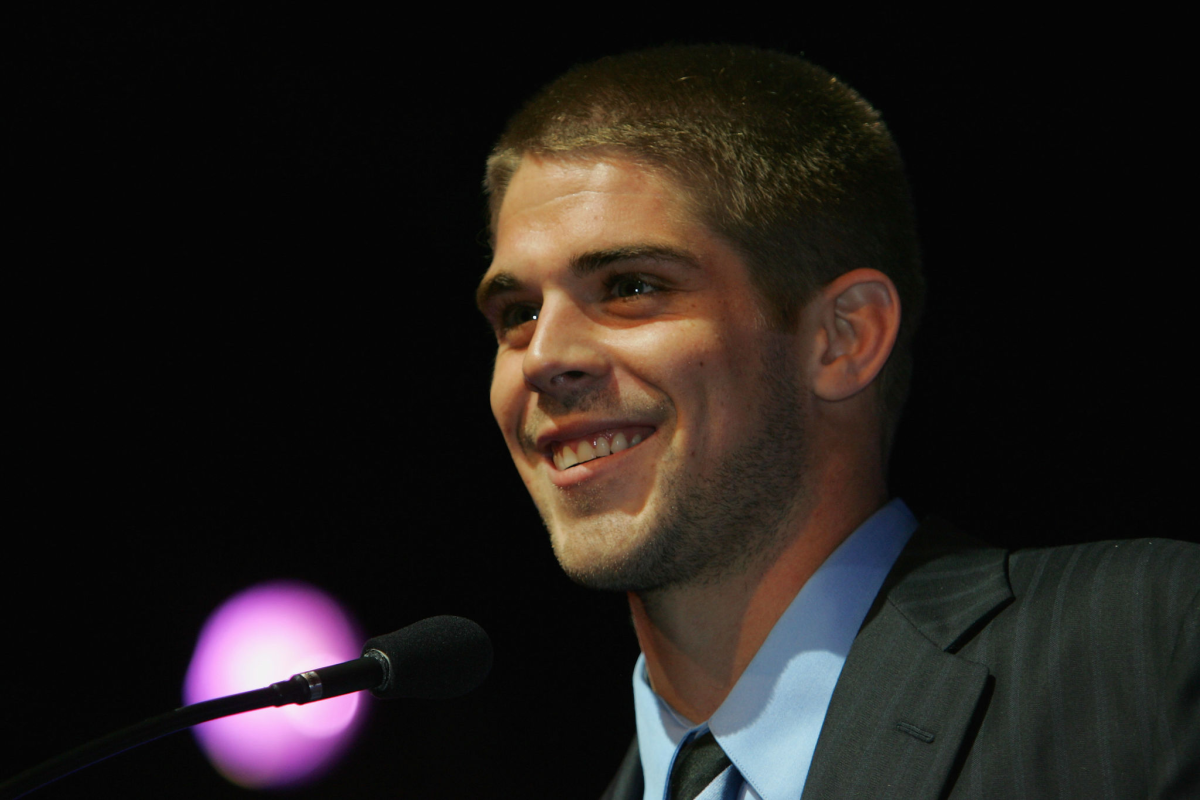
(435, 658)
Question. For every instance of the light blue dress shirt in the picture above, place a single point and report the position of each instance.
(769, 723)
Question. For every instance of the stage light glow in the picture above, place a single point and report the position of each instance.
(258, 637)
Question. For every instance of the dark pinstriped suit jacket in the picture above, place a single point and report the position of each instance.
(1067, 672)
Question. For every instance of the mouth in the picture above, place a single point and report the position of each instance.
(573, 452)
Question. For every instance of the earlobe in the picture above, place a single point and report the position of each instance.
(859, 317)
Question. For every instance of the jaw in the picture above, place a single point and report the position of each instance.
(602, 550)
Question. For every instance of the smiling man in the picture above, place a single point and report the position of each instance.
(650, 408)
(704, 285)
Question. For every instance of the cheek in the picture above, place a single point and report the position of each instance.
(507, 393)
(669, 349)
(723, 386)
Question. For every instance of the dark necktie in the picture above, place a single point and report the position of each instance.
(699, 762)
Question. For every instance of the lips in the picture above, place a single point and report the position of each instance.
(567, 453)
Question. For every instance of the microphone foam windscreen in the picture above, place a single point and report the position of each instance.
(438, 657)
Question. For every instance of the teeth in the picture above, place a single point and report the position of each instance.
(569, 459)
(601, 445)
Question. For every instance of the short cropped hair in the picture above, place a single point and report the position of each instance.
(774, 154)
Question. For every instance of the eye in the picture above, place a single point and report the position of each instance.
(629, 286)
(515, 315)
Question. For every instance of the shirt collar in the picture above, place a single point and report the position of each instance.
(769, 723)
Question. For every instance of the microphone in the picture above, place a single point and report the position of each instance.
(436, 658)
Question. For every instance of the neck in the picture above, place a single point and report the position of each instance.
(699, 639)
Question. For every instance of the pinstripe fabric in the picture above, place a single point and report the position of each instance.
(1069, 672)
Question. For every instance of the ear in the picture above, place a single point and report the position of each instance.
(858, 315)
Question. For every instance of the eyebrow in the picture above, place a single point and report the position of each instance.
(586, 264)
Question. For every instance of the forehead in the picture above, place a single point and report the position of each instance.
(554, 204)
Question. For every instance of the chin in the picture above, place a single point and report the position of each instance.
(590, 557)
(612, 555)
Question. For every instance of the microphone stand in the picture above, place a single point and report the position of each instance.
(350, 676)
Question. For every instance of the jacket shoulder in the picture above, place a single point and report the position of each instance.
(1096, 660)
(1146, 589)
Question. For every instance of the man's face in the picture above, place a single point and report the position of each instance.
(652, 413)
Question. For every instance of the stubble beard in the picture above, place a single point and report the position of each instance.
(709, 527)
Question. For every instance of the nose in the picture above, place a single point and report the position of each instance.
(565, 356)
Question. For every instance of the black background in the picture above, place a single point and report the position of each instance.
(242, 346)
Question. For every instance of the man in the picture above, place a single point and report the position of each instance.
(704, 285)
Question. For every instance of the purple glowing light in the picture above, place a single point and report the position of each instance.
(263, 635)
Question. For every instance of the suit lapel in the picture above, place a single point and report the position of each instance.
(904, 703)
(627, 784)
